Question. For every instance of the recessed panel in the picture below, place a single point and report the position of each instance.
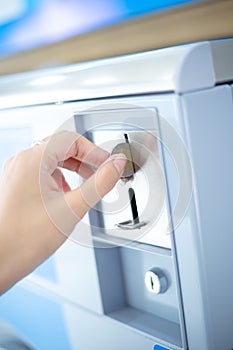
(136, 209)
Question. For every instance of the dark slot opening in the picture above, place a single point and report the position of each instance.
(126, 138)
(133, 204)
(152, 283)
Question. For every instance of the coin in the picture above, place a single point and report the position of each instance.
(129, 167)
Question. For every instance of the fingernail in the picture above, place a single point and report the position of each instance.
(119, 162)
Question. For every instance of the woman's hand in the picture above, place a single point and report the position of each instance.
(38, 210)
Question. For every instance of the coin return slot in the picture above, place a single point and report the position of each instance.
(133, 204)
(134, 223)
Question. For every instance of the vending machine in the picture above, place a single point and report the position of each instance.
(149, 268)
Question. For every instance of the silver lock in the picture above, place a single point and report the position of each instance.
(155, 281)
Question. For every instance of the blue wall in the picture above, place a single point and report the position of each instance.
(39, 319)
(42, 22)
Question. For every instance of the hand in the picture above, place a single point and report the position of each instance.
(38, 210)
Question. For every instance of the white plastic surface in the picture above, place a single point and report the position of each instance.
(179, 69)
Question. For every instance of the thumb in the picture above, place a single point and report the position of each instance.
(97, 186)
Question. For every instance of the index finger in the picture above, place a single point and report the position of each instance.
(68, 144)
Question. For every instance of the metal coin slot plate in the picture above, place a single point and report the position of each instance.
(129, 171)
(147, 183)
(130, 225)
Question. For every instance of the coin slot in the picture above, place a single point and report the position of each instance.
(132, 162)
(130, 167)
(126, 138)
(134, 223)
(133, 205)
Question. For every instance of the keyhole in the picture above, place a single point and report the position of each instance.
(151, 282)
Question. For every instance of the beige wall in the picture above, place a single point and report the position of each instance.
(202, 21)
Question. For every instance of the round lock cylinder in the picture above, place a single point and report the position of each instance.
(156, 281)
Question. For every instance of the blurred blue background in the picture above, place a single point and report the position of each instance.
(26, 24)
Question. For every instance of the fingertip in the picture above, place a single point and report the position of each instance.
(109, 173)
(119, 162)
(98, 185)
